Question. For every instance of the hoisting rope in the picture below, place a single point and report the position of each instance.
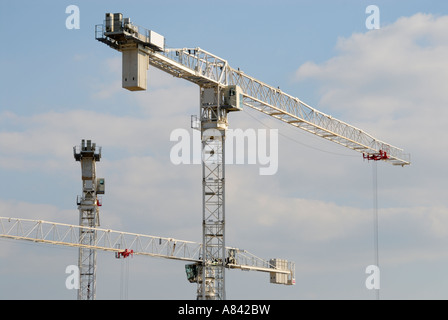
(124, 279)
(295, 140)
(375, 219)
(124, 273)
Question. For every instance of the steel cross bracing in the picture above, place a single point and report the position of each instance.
(117, 241)
(213, 129)
(206, 69)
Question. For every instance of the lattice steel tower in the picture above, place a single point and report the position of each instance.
(88, 206)
(215, 103)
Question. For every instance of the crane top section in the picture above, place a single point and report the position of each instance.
(87, 150)
(142, 47)
(121, 31)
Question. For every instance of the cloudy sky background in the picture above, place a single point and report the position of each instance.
(60, 86)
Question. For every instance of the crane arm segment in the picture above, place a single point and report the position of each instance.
(208, 70)
(204, 68)
(125, 242)
(107, 240)
(282, 106)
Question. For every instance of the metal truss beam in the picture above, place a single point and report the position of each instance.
(118, 241)
(206, 69)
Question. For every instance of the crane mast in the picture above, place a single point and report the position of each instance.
(88, 205)
(223, 90)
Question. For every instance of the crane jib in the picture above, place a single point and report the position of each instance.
(208, 70)
(204, 69)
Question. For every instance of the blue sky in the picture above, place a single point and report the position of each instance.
(60, 86)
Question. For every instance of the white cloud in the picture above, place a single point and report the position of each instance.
(28, 210)
(390, 81)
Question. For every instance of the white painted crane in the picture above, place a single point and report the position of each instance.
(126, 243)
(89, 238)
(88, 205)
(223, 90)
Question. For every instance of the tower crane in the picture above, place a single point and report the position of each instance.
(89, 238)
(224, 90)
(88, 205)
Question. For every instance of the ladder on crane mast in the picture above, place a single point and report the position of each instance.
(224, 90)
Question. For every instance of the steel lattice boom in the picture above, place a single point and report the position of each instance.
(205, 69)
(118, 241)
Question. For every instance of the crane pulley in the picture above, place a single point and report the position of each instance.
(125, 253)
(381, 155)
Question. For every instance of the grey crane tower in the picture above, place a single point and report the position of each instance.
(88, 205)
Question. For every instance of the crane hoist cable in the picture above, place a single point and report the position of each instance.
(297, 141)
(124, 279)
(124, 272)
(375, 219)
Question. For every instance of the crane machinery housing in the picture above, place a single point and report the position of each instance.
(224, 90)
